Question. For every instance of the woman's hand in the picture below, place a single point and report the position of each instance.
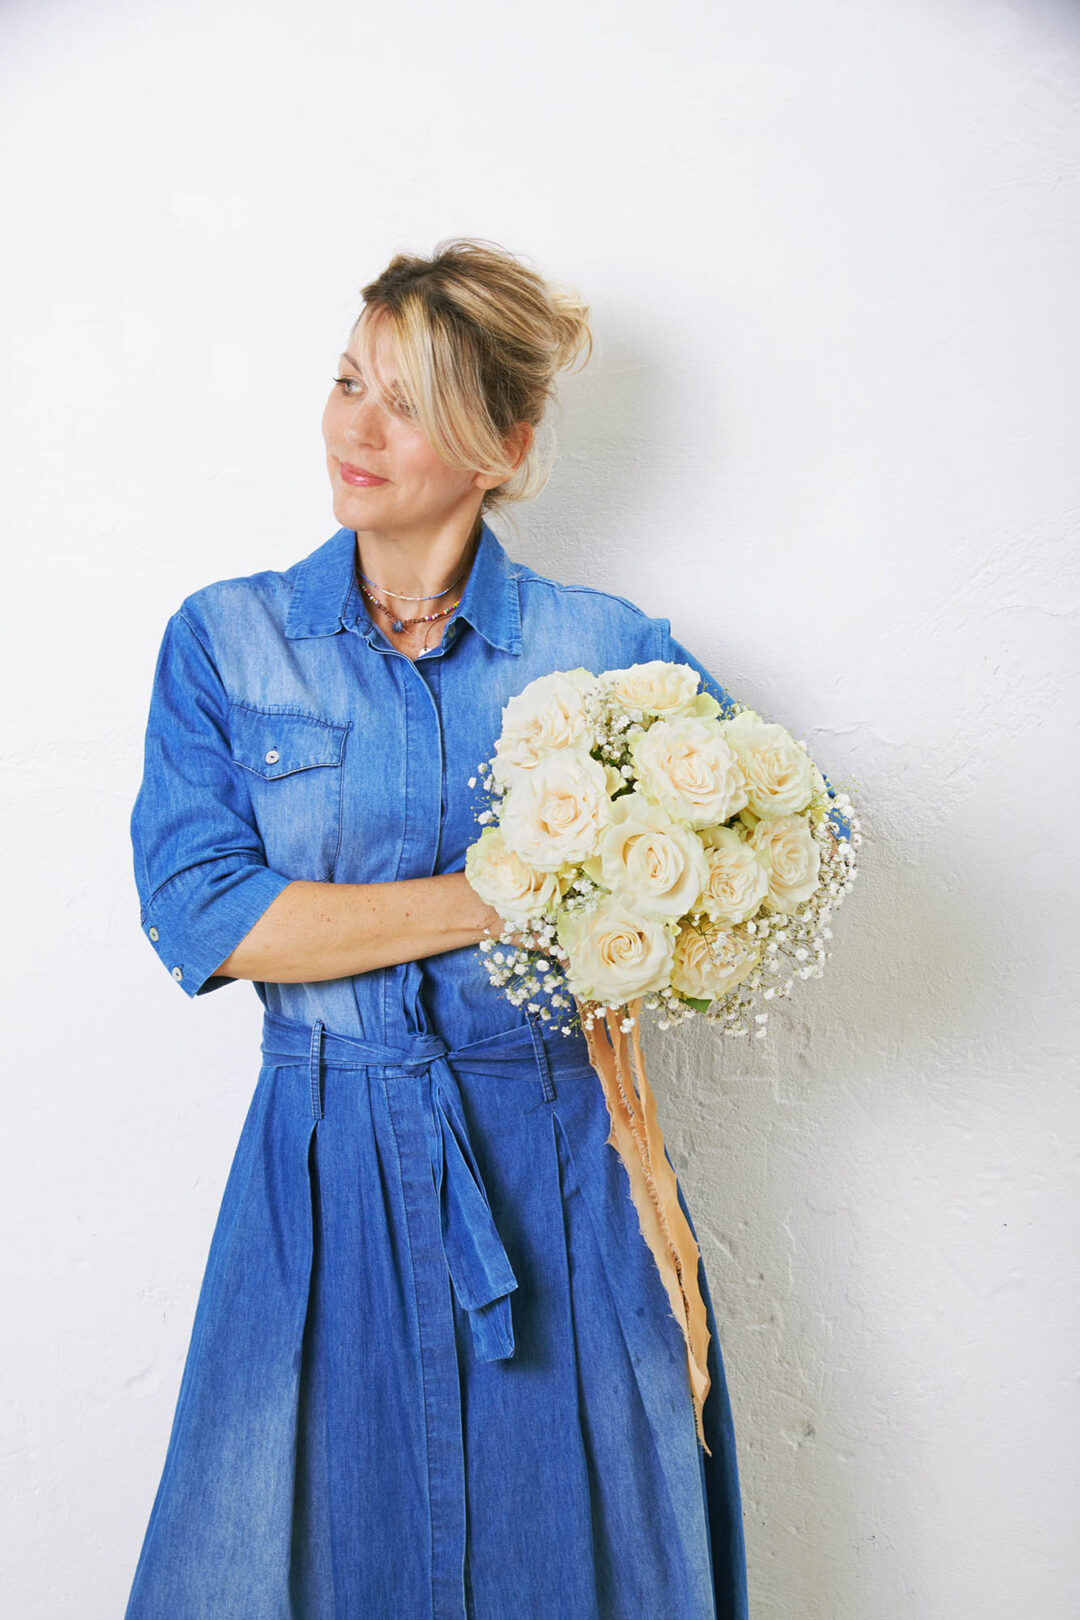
(491, 924)
(497, 932)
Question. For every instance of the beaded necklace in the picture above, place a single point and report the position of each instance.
(402, 624)
(398, 623)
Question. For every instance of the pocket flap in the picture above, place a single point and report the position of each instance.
(275, 742)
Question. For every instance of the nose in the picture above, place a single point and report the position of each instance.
(363, 421)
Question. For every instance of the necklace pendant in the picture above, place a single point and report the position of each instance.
(398, 625)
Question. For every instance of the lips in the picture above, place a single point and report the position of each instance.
(359, 475)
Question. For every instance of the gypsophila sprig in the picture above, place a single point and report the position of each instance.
(642, 844)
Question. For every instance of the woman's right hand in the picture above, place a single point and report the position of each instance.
(490, 921)
(484, 918)
(496, 931)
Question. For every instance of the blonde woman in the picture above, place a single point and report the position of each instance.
(433, 1370)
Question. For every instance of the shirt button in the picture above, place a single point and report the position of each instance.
(153, 933)
(272, 757)
(177, 973)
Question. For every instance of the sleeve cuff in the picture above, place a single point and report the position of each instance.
(196, 919)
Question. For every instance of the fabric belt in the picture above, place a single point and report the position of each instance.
(476, 1259)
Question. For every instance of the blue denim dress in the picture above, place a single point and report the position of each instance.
(433, 1371)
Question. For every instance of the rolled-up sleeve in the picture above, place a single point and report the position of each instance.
(675, 653)
(200, 866)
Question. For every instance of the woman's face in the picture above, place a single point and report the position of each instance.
(417, 492)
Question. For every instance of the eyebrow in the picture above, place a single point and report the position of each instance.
(356, 367)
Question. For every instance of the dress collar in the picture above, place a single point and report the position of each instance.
(325, 596)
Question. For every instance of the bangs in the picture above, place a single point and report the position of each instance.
(433, 365)
(402, 376)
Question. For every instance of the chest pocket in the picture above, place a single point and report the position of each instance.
(295, 778)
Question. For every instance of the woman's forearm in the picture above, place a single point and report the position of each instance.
(334, 930)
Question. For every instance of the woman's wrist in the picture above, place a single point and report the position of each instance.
(477, 915)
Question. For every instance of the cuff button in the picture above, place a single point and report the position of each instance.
(153, 933)
(177, 973)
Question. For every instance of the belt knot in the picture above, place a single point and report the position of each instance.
(476, 1258)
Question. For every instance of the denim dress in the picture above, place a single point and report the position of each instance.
(433, 1372)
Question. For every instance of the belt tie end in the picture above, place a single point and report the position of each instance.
(479, 1267)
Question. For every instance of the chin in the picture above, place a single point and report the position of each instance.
(346, 518)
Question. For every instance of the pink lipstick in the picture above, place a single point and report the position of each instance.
(358, 476)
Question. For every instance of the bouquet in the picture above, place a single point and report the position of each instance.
(644, 846)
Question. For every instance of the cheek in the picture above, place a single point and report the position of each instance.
(418, 460)
(417, 456)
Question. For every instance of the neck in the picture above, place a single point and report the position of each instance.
(402, 566)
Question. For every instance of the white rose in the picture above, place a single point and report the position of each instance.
(502, 879)
(709, 960)
(615, 954)
(736, 881)
(652, 863)
(779, 775)
(553, 813)
(786, 848)
(545, 717)
(659, 688)
(686, 766)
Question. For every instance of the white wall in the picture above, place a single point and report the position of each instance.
(830, 429)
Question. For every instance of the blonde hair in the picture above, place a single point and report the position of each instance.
(478, 339)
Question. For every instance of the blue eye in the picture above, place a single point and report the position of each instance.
(346, 384)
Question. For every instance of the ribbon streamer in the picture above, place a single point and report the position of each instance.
(636, 1136)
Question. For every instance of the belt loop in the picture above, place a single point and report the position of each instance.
(315, 1066)
(541, 1056)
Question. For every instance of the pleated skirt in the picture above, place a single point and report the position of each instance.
(339, 1450)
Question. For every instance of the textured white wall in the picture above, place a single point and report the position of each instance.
(830, 430)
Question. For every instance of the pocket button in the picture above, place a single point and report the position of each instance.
(272, 757)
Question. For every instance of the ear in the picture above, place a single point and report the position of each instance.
(518, 442)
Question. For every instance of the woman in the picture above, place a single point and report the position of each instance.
(433, 1370)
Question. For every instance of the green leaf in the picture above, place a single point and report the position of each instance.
(699, 1003)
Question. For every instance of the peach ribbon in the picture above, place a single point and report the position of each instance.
(635, 1134)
